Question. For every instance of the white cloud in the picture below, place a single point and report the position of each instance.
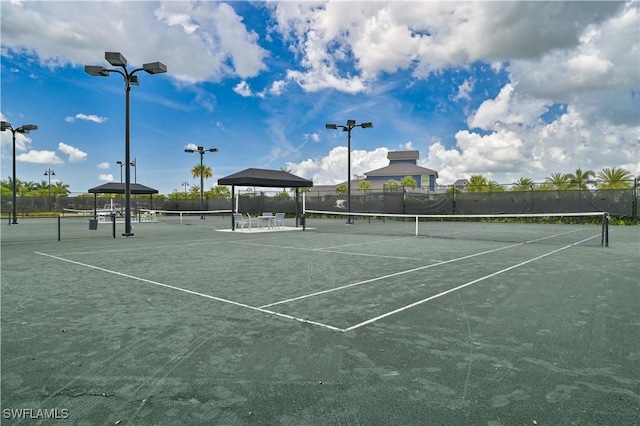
(91, 117)
(39, 157)
(63, 33)
(243, 89)
(75, 154)
(104, 165)
(332, 168)
(106, 178)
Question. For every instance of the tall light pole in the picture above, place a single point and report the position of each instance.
(185, 184)
(117, 60)
(24, 129)
(351, 124)
(201, 151)
(120, 163)
(49, 173)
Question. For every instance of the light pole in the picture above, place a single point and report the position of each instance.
(117, 60)
(185, 184)
(49, 173)
(120, 163)
(24, 129)
(351, 124)
(134, 164)
(201, 151)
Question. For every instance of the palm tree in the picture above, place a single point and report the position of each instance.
(615, 178)
(60, 189)
(559, 181)
(364, 186)
(203, 170)
(341, 189)
(580, 178)
(391, 185)
(494, 186)
(522, 184)
(219, 191)
(477, 183)
(408, 181)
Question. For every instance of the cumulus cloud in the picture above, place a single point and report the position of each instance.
(39, 157)
(85, 117)
(104, 165)
(75, 155)
(106, 178)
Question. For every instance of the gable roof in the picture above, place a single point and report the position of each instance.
(401, 169)
(264, 177)
(119, 188)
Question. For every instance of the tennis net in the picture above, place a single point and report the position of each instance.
(193, 217)
(591, 228)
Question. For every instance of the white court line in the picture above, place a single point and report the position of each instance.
(395, 274)
(219, 299)
(404, 308)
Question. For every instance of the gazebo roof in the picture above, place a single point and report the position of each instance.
(264, 177)
(119, 188)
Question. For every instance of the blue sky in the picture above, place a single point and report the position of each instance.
(502, 89)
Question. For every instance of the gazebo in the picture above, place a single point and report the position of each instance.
(119, 188)
(264, 178)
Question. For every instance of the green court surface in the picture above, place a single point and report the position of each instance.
(184, 324)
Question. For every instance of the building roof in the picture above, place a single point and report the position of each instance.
(119, 188)
(264, 177)
(403, 155)
(401, 169)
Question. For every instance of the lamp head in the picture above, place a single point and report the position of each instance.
(5, 125)
(331, 126)
(119, 163)
(29, 127)
(366, 125)
(134, 81)
(155, 68)
(96, 70)
(189, 150)
(351, 122)
(213, 150)
(116, 59)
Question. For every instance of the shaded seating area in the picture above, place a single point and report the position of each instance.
(264, 178)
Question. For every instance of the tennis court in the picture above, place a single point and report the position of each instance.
(335, 325)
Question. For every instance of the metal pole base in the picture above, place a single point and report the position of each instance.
(127, 234)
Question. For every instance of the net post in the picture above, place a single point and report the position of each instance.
(113, 224)
(59, 227)
(606, 230)
(416, 225)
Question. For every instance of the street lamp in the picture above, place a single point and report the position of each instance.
(117, 60)
(49, 173)
(201, 151)
(185, 184)
(120, 163)
(24, 129)
(351, 124)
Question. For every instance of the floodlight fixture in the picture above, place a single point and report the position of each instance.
(5, 125)
(96, 70)
(155, 68)
(133, 80)
(366, 125)
(116, 59)
(331, 126)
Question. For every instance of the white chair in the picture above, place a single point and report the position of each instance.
(240, 222)
(279, 220)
